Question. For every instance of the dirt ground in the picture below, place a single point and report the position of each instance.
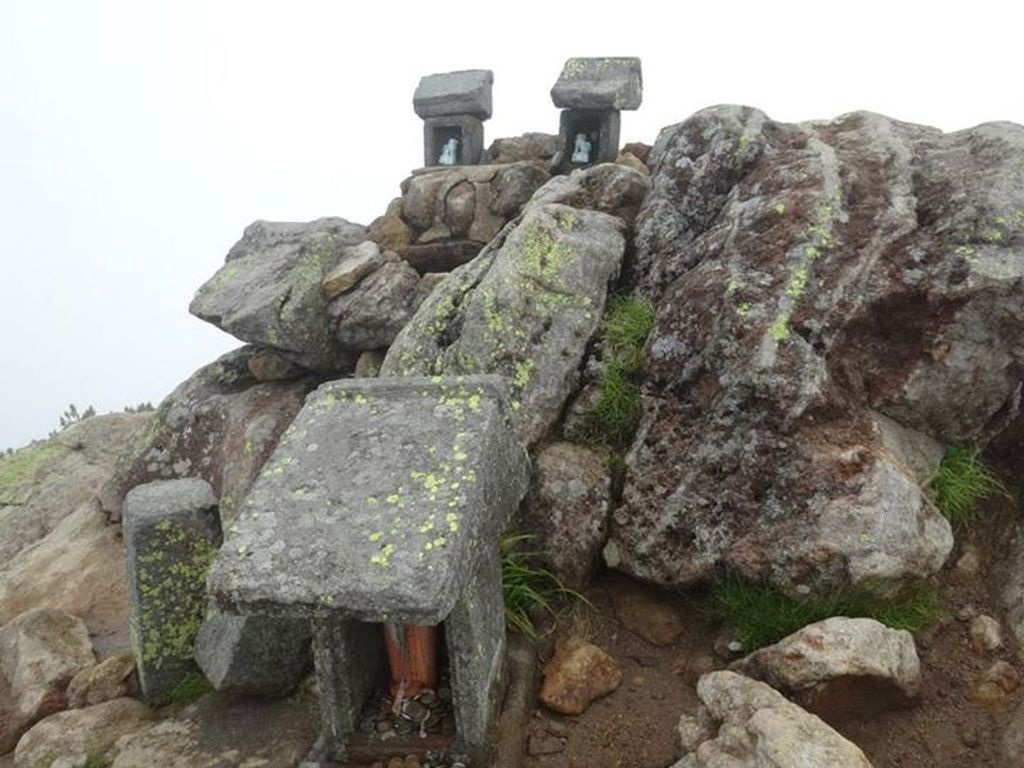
(635, 726)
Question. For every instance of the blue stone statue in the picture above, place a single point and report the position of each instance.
(449, 153)
(581, 149)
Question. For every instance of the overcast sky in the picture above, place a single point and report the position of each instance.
(138, 139)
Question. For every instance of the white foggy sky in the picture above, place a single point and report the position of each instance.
(138, 139)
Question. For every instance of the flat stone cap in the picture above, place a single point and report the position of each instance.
(601, 83)
(377, 502)
(160, 499)
(467, 92)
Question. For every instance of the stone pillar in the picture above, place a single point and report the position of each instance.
(172, 535)
(475, 633)
(454, 105)
(350, 661)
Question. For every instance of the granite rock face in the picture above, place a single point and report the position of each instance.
(808, 277)
(371, 315)
(607, 187)
(81, 735)
(171, 534)
(268, 291)
(744, 723)
(567, 509)
(466, 92)
(220, 424)
(599, 83)
(253, 655)
(538, 147)
(525, 308)
(45, 482)
(40, 652)
(840, 668)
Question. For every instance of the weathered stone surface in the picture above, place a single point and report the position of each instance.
(996, 685)
(223, 730)
(268, 365)
(81, 737)
(807, 277)
(108, 680)
(986, 634)
(40, 651)
(606, 187)
(389, 231)
(539, 147)
(513, 186)
(568, 508)
(77, 568)
(171, 534)
(629, 160)
(647, 614)
(441, 257)
(268, 291)
(254, 655)
(437, 449)
(370, 316)
(369, 363)
(466, 92)
(43, 483)
(526, 308)
(220, 424)
(744, 723)
(356, 263)
(840, 668)
(579, 673)
(599, 83)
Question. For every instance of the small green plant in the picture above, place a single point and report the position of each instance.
(189, 689)
(763, 614)
(98, 761)
(526, 585)
(961, 482)
(612, 419)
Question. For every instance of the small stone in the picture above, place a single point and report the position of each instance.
(579, 673)
(369, 363)
(969, 562)
(630, 160)
(545, 744)
(356, 263)
(969, 735)
(383, 727)
(986, 634)
(996, 685)
(966, 613)
(110, 679)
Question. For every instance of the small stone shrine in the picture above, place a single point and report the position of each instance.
(453, 106)
(382, 506)
(591, 94)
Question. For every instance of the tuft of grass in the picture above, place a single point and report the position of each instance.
(526, 585)
(763, 614)
(189, 689)
(612, 419)
(961, 482)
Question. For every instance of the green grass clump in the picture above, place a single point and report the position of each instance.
(189, 689)
(527, 585)
(613, 417)
(961, 482)
(763, 614)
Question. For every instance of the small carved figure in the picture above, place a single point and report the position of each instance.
(581, 149)
(449, 153)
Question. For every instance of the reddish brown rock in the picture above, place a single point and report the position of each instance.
(110, 679)
(579, 673)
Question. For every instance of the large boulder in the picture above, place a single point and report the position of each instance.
(607, 187)
(840, 667)
(220, 424)
(78, 568)
(81, 737)
(567, 508)
(808, 277)
(40, 652)
(371, 315)
(268, 291)
(525, 308)
(743, 723)
(46, 481)
(221, 730)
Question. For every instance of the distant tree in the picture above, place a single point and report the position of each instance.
(73, 416)
(140, 408)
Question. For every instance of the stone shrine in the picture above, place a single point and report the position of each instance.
(383, 504)
(453, 106)
(591, 94)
